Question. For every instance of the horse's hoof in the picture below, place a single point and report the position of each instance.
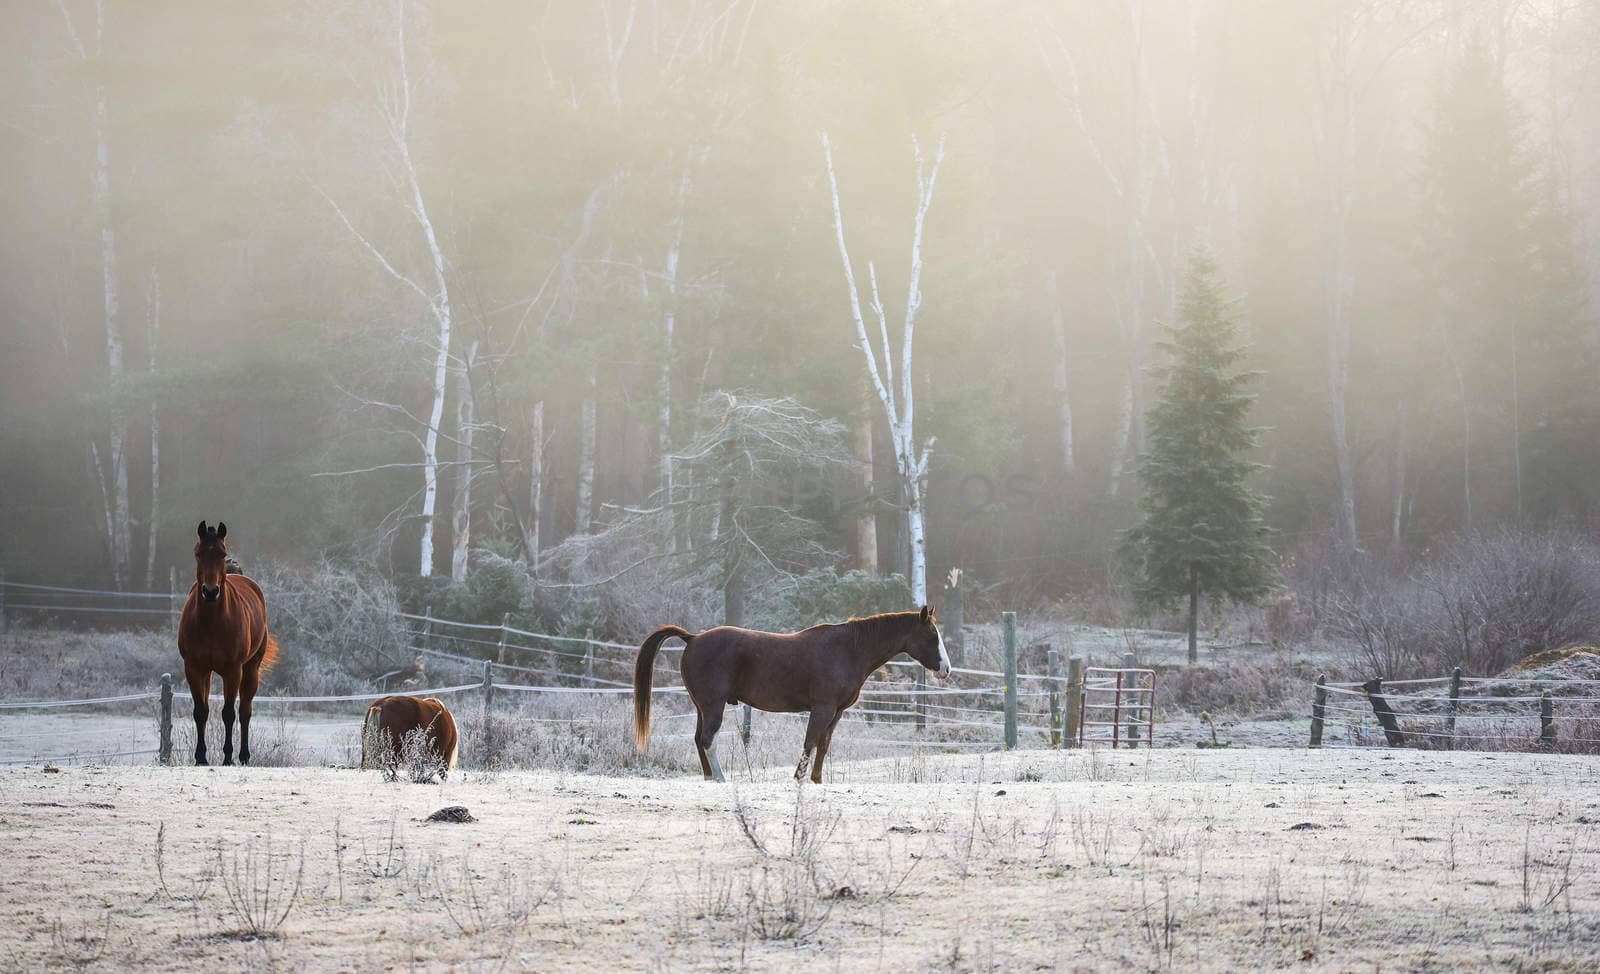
(227, 762)
(200, 762)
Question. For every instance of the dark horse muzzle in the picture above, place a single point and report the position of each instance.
(210, 593)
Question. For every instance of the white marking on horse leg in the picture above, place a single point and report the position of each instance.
(944, 657)
(716, 769)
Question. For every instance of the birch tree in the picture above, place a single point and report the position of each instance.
(112, 472)
(461, 517)
(897, 401)
(431, 284)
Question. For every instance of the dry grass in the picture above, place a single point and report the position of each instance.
(1320, 861)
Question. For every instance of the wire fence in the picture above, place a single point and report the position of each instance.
(975, 708)
(1458, 712)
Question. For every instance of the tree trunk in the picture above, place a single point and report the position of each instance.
(1063, 396)
(1397, 518)
(1337, 147)
(1516, 421)
(530, 538)
(118, 511)
(153, 526)
(461, 521)
(918, 539)
(664, 369)
(867, 519)
(1466, 432)
(1194, 616)
(1119, 451)
(586, 448)
(733, 595)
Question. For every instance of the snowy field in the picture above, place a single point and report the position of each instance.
(1334, 860)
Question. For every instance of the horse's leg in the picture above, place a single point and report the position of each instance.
(199, 691)
(230, 690)
(699, 723)
(823, 744)
(822, 717)
(247, 696)
(705, 738)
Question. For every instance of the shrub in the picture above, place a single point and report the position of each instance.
(347, 617)
(1484, 603)
(826, 596)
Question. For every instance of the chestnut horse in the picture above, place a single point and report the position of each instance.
(223, 630)
(399, 716)
(817, 671)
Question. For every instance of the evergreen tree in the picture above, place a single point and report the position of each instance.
(1201, 530)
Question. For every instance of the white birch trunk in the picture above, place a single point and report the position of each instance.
(461, 521)
(898, 402)
(398, 119)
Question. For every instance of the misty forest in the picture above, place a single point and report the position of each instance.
(1157, 436)
(695, 309)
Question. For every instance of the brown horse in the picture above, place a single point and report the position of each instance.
(817, 671)
(399, 716)
(223, 630)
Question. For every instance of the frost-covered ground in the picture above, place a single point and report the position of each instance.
(1335, 860)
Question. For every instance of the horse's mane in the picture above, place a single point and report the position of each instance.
(884, 616)
(230, 565)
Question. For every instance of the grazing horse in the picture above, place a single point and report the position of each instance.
(399, 716)
(223, 630)
(817, 671)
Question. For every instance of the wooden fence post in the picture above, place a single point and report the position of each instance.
(174, 604)
(488, 705)
(1319, 704)
(1053, 659)
(1116, 713)
(505, 623)
(1455, 703)
(1010, 622)
(1547, 719)
(166, 718)
(1135, 699)
(1074, 728)
(1384, 713)
(588, 655)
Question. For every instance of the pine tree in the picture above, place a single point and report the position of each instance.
(1201, 530)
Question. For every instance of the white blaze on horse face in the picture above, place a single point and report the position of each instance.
(944, 657)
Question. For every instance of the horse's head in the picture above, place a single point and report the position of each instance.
(926, 644)
(211, 560)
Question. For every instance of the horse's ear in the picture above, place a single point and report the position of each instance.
(202, 531)
(927, 613)
(222, 531)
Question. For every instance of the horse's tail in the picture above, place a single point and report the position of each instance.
(366, 731)
(268, 655)
(643, 673)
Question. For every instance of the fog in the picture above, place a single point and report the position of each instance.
(414, 287)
